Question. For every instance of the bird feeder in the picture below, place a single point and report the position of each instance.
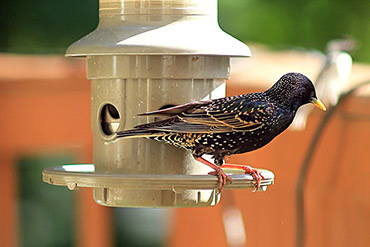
(146, 55)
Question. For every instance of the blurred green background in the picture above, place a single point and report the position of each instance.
(50, 26)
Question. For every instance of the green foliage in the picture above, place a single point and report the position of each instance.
(45, 26)
(50, 26)
(141, 227)
(45, 212)
(303, 23)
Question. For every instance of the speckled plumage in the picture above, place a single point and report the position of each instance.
(230, 125)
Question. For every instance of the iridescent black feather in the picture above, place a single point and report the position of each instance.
(230, 125)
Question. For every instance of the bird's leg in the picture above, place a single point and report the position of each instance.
(222, 177)
(247, 170)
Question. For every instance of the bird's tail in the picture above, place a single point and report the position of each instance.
(137, 133)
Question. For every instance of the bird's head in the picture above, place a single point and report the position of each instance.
(294, 90)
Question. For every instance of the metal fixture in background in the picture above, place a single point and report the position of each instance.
(146, 55)
(332, 79)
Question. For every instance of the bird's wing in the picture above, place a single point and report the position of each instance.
(237, 115)
(220, 116)
(178, 109)
(177, 125)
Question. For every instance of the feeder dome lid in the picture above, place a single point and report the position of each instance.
(187, 35)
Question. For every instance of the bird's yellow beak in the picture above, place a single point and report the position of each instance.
(318, 103)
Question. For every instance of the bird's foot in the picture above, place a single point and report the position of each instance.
(222, 178)
(257, 176)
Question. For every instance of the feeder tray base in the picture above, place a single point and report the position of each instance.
(149, 190)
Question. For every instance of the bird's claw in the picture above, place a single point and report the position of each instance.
(257, 176)
(222, 178)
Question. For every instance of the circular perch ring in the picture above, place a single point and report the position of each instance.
(83, 175)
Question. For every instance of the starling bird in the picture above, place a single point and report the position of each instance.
(230, 125)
